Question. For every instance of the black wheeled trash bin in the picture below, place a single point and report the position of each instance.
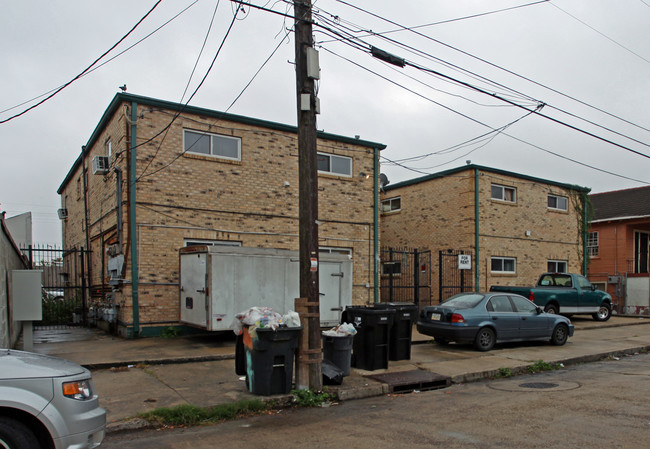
(338, 350)
(406, 314)
(371, 343)
(269, 359)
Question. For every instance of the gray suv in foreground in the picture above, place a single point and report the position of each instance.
(47, 402)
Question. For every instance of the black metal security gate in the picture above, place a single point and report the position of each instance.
(64, 281)
(454, 278)
(406, 276)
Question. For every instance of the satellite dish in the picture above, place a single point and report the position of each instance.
(383, 181)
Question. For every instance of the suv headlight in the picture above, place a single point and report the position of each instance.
(79, 390)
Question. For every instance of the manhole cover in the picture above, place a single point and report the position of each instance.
(540, 385)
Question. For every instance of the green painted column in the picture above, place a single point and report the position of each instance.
(132, 222)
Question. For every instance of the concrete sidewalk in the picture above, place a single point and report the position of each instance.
(138, 375)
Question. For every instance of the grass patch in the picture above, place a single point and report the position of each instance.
(504, 372)
(191, 415)
(310, 398)
(541, 365)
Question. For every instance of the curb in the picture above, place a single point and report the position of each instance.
(374, 388)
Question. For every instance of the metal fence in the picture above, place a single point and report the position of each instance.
(453, 278)
(64, 284)
(406, 275)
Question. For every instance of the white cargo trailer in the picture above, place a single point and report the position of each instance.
(217, 282)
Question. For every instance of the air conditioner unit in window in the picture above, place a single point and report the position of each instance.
(101, 165)
(63, 213)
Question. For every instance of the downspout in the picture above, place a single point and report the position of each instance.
(132, 222)
(476, 231)
(584, 235)
(86, 254)
(376, 223)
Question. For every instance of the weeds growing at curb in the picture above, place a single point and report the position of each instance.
(504, 372)
(191, 415)
(310, 398)
(541, 365)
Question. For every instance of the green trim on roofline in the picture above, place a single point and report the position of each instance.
(179, 107)
(485, 169)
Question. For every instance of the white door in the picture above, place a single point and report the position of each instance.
(193, 303)
(330, 280)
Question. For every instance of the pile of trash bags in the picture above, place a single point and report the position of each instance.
(263, 317)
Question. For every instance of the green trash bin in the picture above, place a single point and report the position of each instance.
(371, 343)
(406, 314)
(269, 359)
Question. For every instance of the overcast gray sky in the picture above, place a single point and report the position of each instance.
(586, 63)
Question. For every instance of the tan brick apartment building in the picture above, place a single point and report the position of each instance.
(513, 226)
(156, 176)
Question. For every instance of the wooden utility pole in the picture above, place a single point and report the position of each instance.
(306, 72)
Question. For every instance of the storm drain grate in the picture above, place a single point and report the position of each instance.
(408, 381)
(538, 385)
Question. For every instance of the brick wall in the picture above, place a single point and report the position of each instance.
(439, 214)
(190, 196)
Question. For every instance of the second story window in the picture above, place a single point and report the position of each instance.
(592, 244)
(391, 204)
(558, 202)
(335, 165)
(217, 145)
(504, 193)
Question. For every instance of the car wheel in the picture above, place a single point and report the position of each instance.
(441, 341)
(560, 335)
(551, 308)
(485, 339)
(16, 435)
(604, 312)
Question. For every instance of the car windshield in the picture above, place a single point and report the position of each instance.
(463, 300)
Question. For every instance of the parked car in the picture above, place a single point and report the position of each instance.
(565, 293)
(485, 319)
(47, 402)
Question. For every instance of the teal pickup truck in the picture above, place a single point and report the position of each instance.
(565, 293)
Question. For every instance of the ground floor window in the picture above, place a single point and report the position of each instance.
(503, 265)
(557, 266)
(198, 242)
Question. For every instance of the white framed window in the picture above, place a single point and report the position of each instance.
(391, 204)
(558, 202)
(557, 266)
(592, 244)
(504, 193)
(199, 242)
(334, 250)
(333, 164)
(217, 145)
(109, 148)
(503, 265)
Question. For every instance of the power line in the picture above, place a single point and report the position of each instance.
(502, 98)
(496, 66)
(109, 59)
(196, 63)
(85, 70)
(601, 33)
(486, 125)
